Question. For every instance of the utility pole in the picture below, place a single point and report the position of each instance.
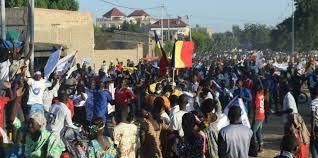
(293, 26)
(162, 7)
(31, 33)
(190, 35)
(169, 28)
(3, 20)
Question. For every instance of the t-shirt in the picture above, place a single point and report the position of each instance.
(123, 96)
(79, 101)
(176, 122)
(314, 108)
(126, 140)
(259, 106)
(36, 90)
(3, 103)
(60, 116)
(4, 70)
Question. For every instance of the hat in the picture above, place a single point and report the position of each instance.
(38, 73)
(70, 82)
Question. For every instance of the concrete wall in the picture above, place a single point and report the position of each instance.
(69, 28)
(122, 40)
(122, 55)
(73, 29)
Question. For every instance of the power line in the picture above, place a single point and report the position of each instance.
(126, 7)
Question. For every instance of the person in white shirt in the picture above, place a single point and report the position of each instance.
(37, 87)
(174, 105)
(51, 93)
(176, 120)
(289, 103)
(60, 116)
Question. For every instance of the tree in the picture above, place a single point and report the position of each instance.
(168, 46)
(49, 4)
(255, 36)
(131, 27)
(201, 40)
(224, 42)
(306, 28)
(41, 4)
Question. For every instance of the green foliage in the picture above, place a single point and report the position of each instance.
(306, 29)
(253, 36)
(131, 27)
(15, 3)
(201, 40)
(41, 4)
(224, 42)
(50, 4)
(97, 29)
(168, 46)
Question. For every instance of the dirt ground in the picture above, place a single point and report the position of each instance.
(273, 132)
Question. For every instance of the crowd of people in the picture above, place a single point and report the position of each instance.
(132, 110)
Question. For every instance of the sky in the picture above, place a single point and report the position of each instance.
(219, 15)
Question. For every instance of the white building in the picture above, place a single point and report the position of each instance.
(112, 19)
(177, 28)
(141, 17)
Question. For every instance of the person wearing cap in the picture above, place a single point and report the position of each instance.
(37, 86)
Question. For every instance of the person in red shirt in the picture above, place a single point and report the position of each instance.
(124, 97)
(259, 117)
(4, 101)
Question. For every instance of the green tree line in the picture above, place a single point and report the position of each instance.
(48, 4)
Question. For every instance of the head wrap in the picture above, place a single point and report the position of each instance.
(39, 118)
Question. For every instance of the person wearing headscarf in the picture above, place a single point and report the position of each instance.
(192, 144)
(39, 142)
(296, 126)
(209, 126)
(151, 127)
(100, 146)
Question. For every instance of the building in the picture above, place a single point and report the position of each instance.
(112, 19)
(71, 29)
(141, 17)
(172, 28)
(197, 28)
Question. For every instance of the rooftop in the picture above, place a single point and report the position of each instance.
(113, 12)
(172, 23)
(138, 13)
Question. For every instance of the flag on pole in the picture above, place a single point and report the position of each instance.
(52, 63)
(164, 63)
(65, 63)
(238, 102)
(183, 54)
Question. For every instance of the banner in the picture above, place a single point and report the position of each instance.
(65, 63)
(238, 102)
(86, 61)
(51, 63)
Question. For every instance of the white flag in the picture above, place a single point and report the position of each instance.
(65, 63)
(238, 102)
(52, 63)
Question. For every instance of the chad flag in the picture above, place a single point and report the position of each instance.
(164, 63)
(183, 54)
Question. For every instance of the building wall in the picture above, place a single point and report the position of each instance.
(69, 28)
(107, 23)
(121, 40)
(185, 31)
(72, 29)
(122, 55)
